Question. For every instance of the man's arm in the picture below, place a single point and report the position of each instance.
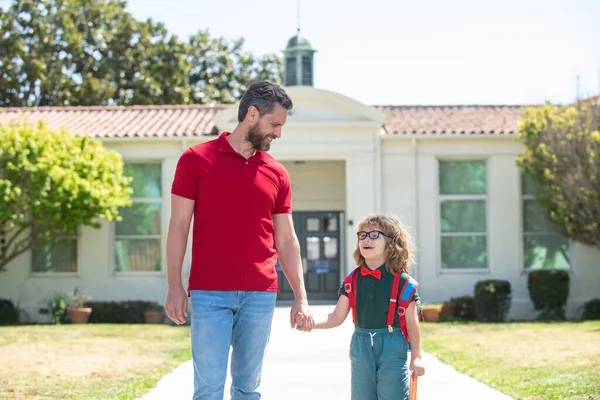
(182, 210)
(291, 265)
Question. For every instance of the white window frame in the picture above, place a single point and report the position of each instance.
(526, 270)
(114, 237)
(462, 197)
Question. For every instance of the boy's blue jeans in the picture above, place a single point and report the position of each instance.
(378, 361)
(224, 319)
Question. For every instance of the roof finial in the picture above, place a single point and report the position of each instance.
(298, 15)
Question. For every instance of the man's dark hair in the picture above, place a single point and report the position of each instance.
(263, 95)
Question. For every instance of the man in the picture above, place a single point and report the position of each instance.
(240, 198)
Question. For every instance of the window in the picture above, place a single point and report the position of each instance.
(463, 214)
(138, 235)
(307, 70)
(544, 247)
(290, 71)
(331, 248)
(59, 256)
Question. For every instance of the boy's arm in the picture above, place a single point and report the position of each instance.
(414, 334)
(336, 317)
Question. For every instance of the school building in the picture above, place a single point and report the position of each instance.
(449, 172)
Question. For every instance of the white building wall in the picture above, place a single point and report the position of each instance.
(504, 220)
(360, 194)
(317, 185)
(585, 277)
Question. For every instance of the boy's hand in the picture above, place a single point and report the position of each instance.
(416, 365)
(303, 323)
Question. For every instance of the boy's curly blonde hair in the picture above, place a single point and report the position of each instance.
(399, 247)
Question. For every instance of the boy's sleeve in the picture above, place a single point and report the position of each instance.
(342, 290)
(416, 297)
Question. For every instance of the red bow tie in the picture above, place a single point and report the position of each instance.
(366, 271)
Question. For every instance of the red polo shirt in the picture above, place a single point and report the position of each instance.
(233, 244)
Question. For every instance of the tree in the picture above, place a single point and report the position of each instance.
(222, 69)
(87, 52)
(562, 157)
(144, 64)
(94, 52)
(51, 182)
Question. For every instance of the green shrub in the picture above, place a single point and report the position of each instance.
(591, 310)
(465, 308)
(548, 289)
(492, 300)
(9, 314)
(119, 312)
(57, 307)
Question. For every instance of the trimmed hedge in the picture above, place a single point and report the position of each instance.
(591, 310)
(549, 291)
(119, 312)
(492, 300)
(9, 314)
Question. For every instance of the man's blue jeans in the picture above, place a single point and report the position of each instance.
(224, 319)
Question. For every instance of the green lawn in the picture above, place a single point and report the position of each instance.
(540, 361)
(88, 361)
(524, 360)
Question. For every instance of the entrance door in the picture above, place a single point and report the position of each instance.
(321, 252)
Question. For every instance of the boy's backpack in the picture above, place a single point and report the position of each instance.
(406, 294)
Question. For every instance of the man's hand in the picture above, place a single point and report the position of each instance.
(301, 320)
(416, 364)
(301, 312)
(177, 304)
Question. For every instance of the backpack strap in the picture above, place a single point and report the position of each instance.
(350, 288)
(408, 291)
(393, 301)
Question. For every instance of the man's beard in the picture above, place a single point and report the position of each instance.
(258, 141)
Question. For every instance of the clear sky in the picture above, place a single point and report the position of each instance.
(416, 52)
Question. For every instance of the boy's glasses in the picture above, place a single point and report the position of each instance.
(362, 235)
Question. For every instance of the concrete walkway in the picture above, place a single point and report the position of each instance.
(316, 366)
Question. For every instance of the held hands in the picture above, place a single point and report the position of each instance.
(416, 365)
(304, 324)
(300, 316)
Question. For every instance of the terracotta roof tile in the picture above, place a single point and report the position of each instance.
(123, 122)
(451, 120)
(197, 120)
